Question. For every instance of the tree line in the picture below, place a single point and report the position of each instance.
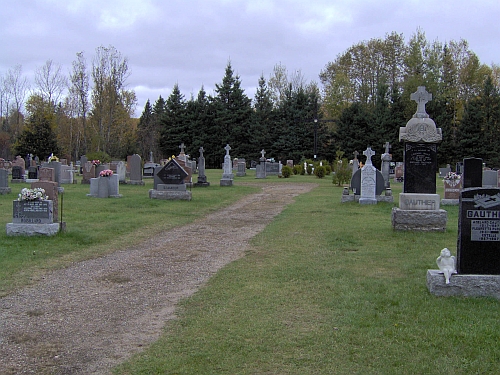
(363, 100)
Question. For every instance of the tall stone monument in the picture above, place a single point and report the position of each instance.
(227, 174)
(386, 165)
(368, 179)
(202, 178)
(419, 204)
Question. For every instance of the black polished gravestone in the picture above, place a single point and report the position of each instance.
(172, 173)
(472, 173)
(17, 173)
(356, 182)
(478, 245)
(32, 173)
(420, 168)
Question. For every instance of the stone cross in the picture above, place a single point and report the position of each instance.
(421, 97)
(227, 148)
(201, 151)
(262, 152)
(387, 145)
(369, 153)
(182, 148)
(355, 153)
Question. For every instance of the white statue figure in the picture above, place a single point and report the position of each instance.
(447, 264)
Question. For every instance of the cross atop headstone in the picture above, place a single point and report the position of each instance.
(201, 151)
(227, 148)
(421, 97)
(387, 145)
(369, 153)
(262, 152)
(355, 153)
(182, 148)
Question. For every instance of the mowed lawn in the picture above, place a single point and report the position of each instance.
(326, 288)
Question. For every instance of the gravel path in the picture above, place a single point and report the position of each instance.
(90, 317)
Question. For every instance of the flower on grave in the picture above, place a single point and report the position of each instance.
(36, 194)
(452, 176)
(96, 162)
(52, 157)
(106, 173)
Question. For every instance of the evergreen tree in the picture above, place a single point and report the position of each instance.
(353, 127)
(174, 124)
(145, 138)
(233, 114)
(262, 119)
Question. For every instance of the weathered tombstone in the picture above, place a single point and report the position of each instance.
(227, 173)
(46, 174)
(202, 178)
(66, 174)
(56, 165)
(52, 191)
(242, 168)
(172, 176)
(19, 162)
(88, 172)
(472, 173)
(368, 179)
(478, 246)
(490, 178)
(83, 160)
(289, 163)
(121, 171)
(355, 162)
(4, 182)
(135, 170)
(452, 188)
(273, 168)
(419, 204)
(399, 171)
(260, 169)
(386, 165)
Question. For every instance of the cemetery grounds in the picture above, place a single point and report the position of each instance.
(318, 288)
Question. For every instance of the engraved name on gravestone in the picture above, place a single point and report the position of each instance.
(368, 179)
(478, 246)
(32, 212)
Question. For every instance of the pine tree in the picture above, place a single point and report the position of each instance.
(144, 136)
(174, 124)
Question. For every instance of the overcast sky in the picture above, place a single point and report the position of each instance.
(189, 42)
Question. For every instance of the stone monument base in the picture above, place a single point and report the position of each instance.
(224, 182)
(355, 198)
(30, 180)
(201, 184)
(17, 180)
(419, 220)
(17, 229)
(449, 202)
(5, 190)
(170, 194)
(463, 285)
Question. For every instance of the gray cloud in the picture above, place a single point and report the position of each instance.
(189, 42)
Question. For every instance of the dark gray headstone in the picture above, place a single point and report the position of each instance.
(420, 168)
(478, 248)
(172, 173)
(472, 174)
(32, 173)
(17, 173)
(4, 178)
(33, 212)
(356, 183)
(135, 168)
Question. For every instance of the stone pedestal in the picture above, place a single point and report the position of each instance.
(17, 229)
(463, 285)
(419, 220)
(170, 194)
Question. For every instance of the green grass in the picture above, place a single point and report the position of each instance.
(326, 288)
(330, 288)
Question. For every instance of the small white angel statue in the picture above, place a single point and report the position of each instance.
(447, 264)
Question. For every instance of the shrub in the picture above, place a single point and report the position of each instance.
(98, 155)
(342, 173)
(320, 171)
(297, 169)
(286, 171)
